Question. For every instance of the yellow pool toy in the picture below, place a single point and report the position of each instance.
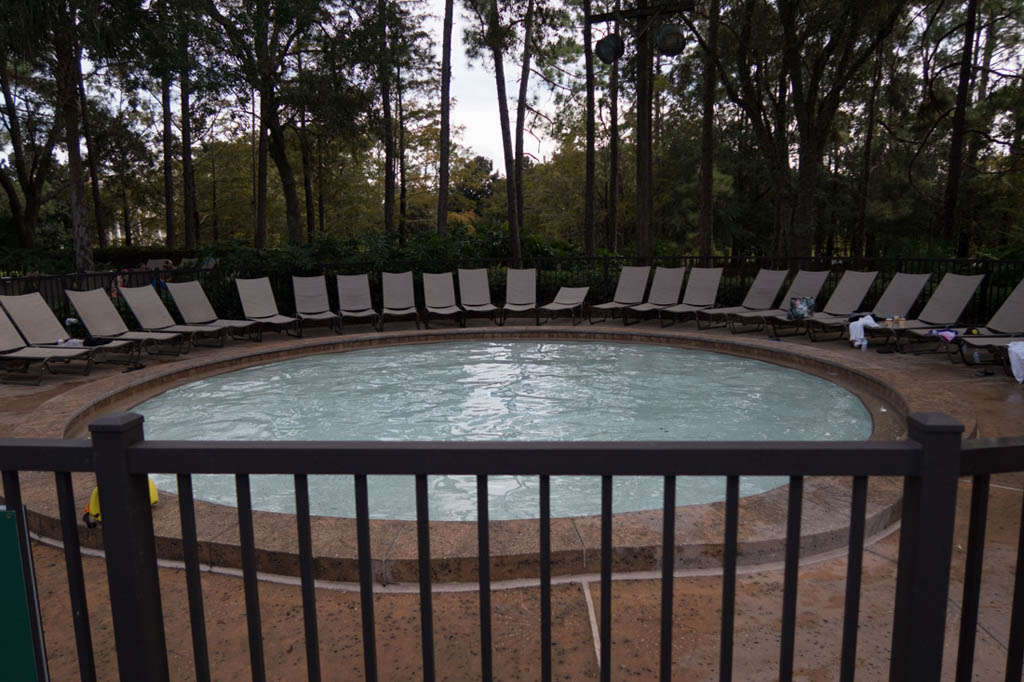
(92, 510)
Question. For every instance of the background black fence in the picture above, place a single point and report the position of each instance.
(929, 462)
(600, 274)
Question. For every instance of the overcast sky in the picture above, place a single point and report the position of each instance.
(476, 101)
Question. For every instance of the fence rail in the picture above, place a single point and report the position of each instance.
(929, 463)
(599, 273)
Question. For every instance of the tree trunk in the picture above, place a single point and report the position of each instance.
(707, 140)
(320, 181)
(307, 177)
(613, 150)
(260, 240)
(215, 216)
(445, 143)
(126, 217)
(279, 153)
(524, 81)
(644, 161)
(307, 166)
(403, 226)
(859, 237)
(68, 64)
(94, 175)
(168, 139)
(188, 177)
(506, 136)
(956, 140)
(31, 174)
(805, 211)
(588, 184)
(387, 134)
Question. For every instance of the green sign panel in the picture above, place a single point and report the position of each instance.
(17, 650)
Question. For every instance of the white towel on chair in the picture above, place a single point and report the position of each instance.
(857, 330)
(1016, 352)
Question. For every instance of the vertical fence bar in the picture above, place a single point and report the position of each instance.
(668, 564)
(305, 537)
(249, 577)
(426, 601)
(76, 576)
(972, 578)
(854, 564)
(1015, 646)
(606, 578)
(365, 579)
(12, 499)
(484, 562)
(926, 533)
(130, 550)
(545, 578)
(789, 590)
(729, 554)
(190, 548)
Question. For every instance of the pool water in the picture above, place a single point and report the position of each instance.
(509, 390)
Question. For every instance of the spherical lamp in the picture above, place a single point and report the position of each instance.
(609, 48)
(671, 39)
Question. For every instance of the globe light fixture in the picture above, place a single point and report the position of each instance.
(609, 48)
(671, 40)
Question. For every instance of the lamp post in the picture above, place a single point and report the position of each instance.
(670, 41)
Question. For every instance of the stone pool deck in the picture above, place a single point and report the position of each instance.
(890, 385)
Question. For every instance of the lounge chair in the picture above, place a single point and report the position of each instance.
(845, 299)
(439, 298)
(311, 302)
(354, 299)
(475, 293)
(701, 293)
(520, 293)
(665, 288)
(901, 292)
(629, 291)
(806, 284)
(1006, 324)
(942, 310)
(195, 308)
(761, 295)
(567, 298)
(399, 297)
(40, 327)
(152, 316)
(102, 321)
(258, 305)
(17, 357)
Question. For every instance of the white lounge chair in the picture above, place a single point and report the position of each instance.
(567, 298)
(629, 291)
(258, 305)
(665, 288)
(475, 293)
(520, 293)
(311, 302)
(195, 308)
(16, 357)
(152, 316)
(439, 298)
(399, 297)
(354, 299)
(102, 321)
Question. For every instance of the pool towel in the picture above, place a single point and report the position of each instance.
(857, 331)
(1016, 352)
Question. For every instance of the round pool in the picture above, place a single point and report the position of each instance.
(502, 390)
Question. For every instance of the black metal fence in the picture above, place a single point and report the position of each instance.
(929, 463)
(600, 274)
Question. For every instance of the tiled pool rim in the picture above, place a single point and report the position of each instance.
(514, 544)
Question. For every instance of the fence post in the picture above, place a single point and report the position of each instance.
(926, 537)
(130, 550)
